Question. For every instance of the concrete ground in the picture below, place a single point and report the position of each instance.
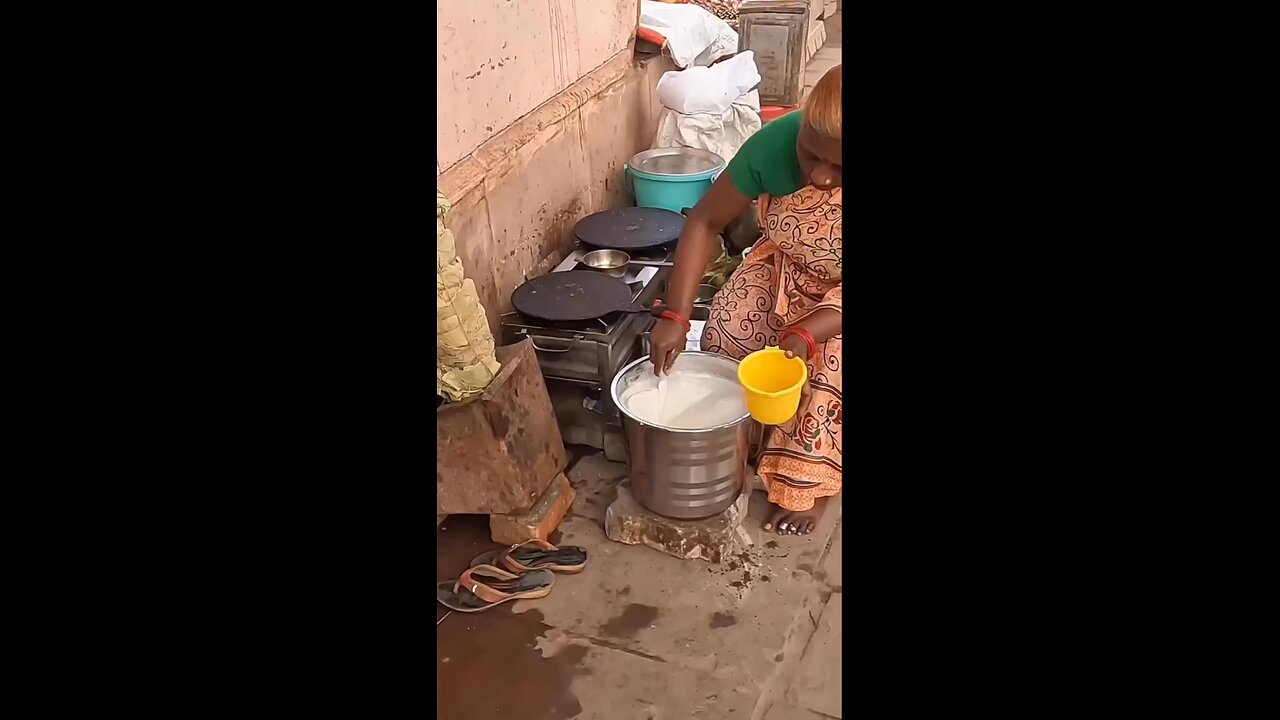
(646, 636)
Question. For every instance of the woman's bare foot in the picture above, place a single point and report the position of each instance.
(789, 522)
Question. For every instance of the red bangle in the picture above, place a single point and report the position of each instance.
(805, 335)
(661, 312)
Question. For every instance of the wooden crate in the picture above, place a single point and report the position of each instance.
(498, 452)
(776, 31)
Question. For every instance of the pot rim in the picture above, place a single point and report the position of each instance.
(617, 401)
(718, 163)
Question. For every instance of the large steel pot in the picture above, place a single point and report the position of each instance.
(684, 474)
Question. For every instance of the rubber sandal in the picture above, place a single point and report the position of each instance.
(484, 586)
(536, 555)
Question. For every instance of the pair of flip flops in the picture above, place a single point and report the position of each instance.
(525, 571)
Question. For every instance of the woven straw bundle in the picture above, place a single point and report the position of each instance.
(465, 361)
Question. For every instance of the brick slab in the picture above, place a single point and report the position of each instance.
(540, 521)
(711, 539)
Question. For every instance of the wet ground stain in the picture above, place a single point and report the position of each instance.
(488, 667)
(751, 563)
(600, 642)
(633, 619)
(722, 619)
(745, 582)
(487, 664)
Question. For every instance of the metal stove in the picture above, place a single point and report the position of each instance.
(590, 353)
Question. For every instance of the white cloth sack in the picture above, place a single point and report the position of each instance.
(711, 108)
(722, 134)
(709, 89)
(694, 36)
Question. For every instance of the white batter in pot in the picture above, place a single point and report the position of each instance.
(686, 400)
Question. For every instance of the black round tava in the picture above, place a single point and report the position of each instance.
(573, 296)
(630, 228)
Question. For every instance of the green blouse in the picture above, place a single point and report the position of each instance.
(766, 163)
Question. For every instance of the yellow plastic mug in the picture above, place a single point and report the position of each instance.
(771, 384)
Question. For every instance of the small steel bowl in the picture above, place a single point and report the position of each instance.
(610, 262)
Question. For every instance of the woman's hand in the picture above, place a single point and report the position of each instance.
(665, 343)
(795, 346)
(820, 326)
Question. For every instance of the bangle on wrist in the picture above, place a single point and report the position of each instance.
(804, 335)
(664, 313)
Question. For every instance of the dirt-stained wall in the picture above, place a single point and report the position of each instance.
(500, 59)
(537, 113)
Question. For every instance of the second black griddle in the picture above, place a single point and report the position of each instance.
(632, 228)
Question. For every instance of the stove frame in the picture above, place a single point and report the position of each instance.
(592, 352)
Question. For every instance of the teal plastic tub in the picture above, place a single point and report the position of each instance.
(672, 178)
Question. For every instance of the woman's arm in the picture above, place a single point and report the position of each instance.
(823, 323)
(699, 241)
